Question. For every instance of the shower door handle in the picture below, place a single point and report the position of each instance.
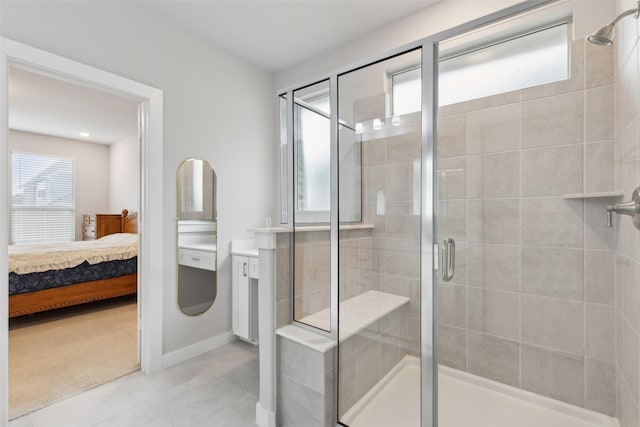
(448, 267)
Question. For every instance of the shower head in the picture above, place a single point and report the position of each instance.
(604, 35)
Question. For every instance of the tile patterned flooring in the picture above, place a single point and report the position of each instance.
(216, 389)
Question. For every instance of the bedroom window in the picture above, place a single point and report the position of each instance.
(42, 199)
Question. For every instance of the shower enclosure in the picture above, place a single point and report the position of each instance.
(448, 207)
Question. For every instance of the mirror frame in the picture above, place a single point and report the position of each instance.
(214, 201)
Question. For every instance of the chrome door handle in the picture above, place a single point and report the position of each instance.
(448, 258)
(244, 269)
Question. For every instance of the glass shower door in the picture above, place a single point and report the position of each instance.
(380, 194)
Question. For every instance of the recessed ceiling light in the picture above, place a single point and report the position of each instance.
(84, 134)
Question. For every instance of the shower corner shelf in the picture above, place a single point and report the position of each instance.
(593, 195)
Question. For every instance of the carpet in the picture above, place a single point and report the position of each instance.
(60, 353)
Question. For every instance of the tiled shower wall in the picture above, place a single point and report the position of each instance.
(627, 255)
(312, 268)
(532, 302)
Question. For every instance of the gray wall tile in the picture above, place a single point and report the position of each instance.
(494, 358)
(626, 407)
(553, 323)
(601, 386)
(374, 152)
(599, 272)
(494, 129)
(600, 322)
(554, 374)
(452, 305)
(403, 148)
(552, 222)
(493, 175)
(553, 272)
(368, 367)
(599, 120)
(628, 354)
(598, 66)
(301, 364)
(297, 402)
(452, 219)
(452, 347)
(552, 171)
(494, 266)
(398, 182)
(599, 172)
(452, 136)
(557, 120)
(494, 312)
(596, 233)
(401, 222)
(452, 178)
(494, 221)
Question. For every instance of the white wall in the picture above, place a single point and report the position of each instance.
(124, 175)
(440, 17)
(216, 107)
(91, 163)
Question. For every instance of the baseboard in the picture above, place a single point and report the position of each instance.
(264, 418)
(196, 349)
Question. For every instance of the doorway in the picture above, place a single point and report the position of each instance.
(74, 164)
(150, 227)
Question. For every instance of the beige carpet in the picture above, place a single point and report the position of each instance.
(60, 353)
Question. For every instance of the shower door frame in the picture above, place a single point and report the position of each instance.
(428, 203)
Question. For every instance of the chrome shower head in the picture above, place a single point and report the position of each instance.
(604, 35)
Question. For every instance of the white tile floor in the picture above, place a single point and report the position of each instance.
(217, 389)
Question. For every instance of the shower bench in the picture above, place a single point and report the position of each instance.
(306, 359)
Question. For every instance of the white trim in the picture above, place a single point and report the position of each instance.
(150, 226)
(193, 350)
(264, 418)
(4, 242)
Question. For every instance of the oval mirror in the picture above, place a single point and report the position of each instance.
(197, 236)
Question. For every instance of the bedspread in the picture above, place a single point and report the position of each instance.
(24, 259)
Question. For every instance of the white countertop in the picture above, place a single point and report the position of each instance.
(207, 247)
(246, 252)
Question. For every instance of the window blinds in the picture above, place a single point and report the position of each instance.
(42, 199)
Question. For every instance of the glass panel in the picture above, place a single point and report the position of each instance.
(379, 258)
(312, 152)
(513, 312)
(312, 189)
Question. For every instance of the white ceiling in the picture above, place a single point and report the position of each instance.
(277, 34)
(273, 34)
(42, 104)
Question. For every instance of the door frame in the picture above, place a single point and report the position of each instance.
(150, 217)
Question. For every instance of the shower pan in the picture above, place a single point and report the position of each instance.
(448, 219)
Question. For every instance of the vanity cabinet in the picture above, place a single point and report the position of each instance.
(197, 258)
(244, 295)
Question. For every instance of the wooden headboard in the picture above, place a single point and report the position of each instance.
(129, 222)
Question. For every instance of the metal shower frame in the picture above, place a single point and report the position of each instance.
(428, 203)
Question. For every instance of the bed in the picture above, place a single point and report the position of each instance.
(44, 277)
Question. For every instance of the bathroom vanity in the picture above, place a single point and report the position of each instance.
(244, 289)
